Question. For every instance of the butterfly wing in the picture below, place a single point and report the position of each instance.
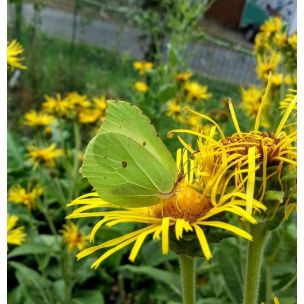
(126, 162)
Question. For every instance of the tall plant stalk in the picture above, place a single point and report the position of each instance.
(188, 279)
(254, 259)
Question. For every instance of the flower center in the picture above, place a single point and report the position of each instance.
(243, 142)
(186, 203)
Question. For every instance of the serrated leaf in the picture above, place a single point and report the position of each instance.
(33, 285)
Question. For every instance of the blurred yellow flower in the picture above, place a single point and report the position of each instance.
(14, 236)
(14, 49)
(44, 156)
(183, 77)
(57, 105)
(251, 101)
(261, 42)
(186, 210)
(73, 237)
(141, 86)
(76, 99)
(174, 110)
(38, 119)
(100, 103)
(142, 66)
(267, 63)
(280, 39)
(277, 79)
(272, 25)
(87, 116)
(292, 41)
(19, 195)
(195, 91)
(290, 79)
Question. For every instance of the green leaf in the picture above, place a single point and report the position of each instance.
(34, 286)
(29, 249)
(88, 296)
(15, 153)
(229, 262)
(170, 279)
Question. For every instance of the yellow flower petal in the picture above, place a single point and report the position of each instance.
(203, 241)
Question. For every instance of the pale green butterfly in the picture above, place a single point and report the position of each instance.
(126, 162)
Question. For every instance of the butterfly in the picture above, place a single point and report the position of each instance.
(126, 162)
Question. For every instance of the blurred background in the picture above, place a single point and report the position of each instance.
(161, 55)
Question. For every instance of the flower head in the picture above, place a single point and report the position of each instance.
(15, 236)
(20, 195)
(267, 150)
(141, 86)
(183, 77)
(190, 209)
(195, 91)
(174, 110)
(88, 116)
(251, 101)
(44, 156)
(14, 49)
(272, 25)
(100, 103)
(38, 119)
(142, 66)
(73, 237)
(77, 100)
(57, 105)
(267, 63)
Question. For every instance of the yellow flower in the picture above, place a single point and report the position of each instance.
(142, 66)
(194, 121)
(268, 148)
(14, 236)
(73, 237)
(141, 86)
(57, 105)
(19, 195)
(174, 110)
(189, 209)
(272, 25)
(290, 79)
(261, 41)
(292, 41)
(75, 99)
(38, 119)
(44, 156)
(183, 77)
(195, 91)
(267, 63)
(251, 101)
(87, 116)
(100, 103)
(14, 49)
(280, 39)
(277, 79)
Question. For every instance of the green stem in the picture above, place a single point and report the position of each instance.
(188, 279)
(254, 262)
